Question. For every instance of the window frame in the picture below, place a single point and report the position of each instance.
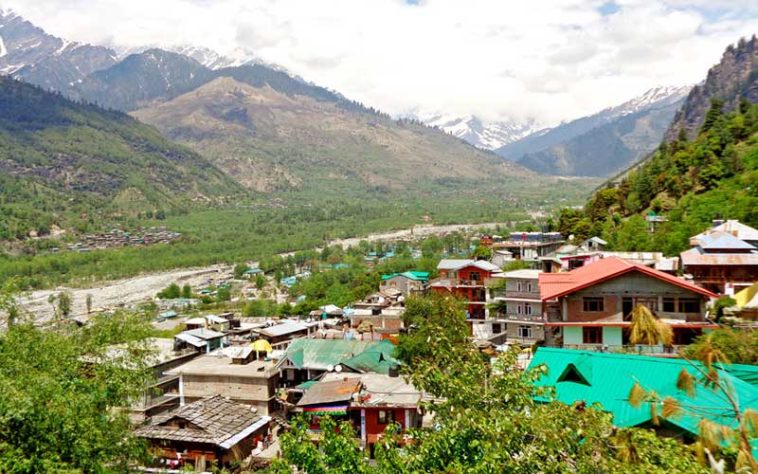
(588, 330)
(587, 304)
(683, 302)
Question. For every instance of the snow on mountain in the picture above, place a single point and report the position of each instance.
(3, 50)
(656, 97)
(481, 134)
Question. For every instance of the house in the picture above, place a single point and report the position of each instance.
(209, 321)
(501, 258)
(369, 401)
(203, 340)
(408, 283)
(519, 306)
(722, 261)
(530, 246)
(211, 430)
(232, 372)
(306, 359)
(466, 279)
(588, 377)
(590, 307)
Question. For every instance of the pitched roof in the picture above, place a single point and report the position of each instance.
(458, 263)
(213, 420)
(734, 227)
(604, 378)
(287, 327)
(320, 354)
(411, 275)
(333, 391)
(383, 390)
(523, 274)
(723, 241)
(555, 285)
(377, 359)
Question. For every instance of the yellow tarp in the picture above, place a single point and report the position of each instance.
(261, 345)
(745, 296)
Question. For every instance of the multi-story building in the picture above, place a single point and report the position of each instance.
(466, 279)
(530, 246)
(519, 306)
(591, 307)
(723, 259)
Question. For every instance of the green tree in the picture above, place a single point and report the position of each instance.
(187, 291)
(170, 292)
(65, 301)
(239, 270)
(260, 281)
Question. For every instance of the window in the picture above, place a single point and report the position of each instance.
(525, 332)
(497, 328)
(519, 287)
(529, 287)
(689, 305)
(386, 417)
(669, 305)
(593, 305)
(474, 276)
(592, 335)
(519, 309)
(528, 309)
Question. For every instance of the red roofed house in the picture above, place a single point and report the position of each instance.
(590, 307)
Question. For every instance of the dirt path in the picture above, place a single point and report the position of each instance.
(131, 291)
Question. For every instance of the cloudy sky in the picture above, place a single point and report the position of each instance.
(500, 59)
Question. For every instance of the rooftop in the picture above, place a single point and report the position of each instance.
(695, 256)
(723, 241)
(219, 363)
(322, 354)
(555, 285)
(412, 275)
(383, 390)
(733, 227)
(282, 329)
(525, 274)
(604, 378)
(213, 420)
(457, 264)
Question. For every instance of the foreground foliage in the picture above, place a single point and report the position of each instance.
(59, 409)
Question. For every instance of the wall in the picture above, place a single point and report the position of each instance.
(257, 391)
(572, 335)
(538, 331)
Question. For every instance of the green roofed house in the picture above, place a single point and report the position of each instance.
(306, 359)
(407, 282)
(607, 379)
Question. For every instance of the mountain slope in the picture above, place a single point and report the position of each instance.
(271, 140)
(30, 54)
(690, 183)
(85, 157)
(606, 149)
(609, 140)
(734, 78)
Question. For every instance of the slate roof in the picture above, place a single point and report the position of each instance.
(213, 420)
(555, 285)
(608, 378)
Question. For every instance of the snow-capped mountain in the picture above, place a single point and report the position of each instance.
(481, 134)
(656, 97)
(30, 54)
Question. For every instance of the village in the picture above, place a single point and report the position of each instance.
(244, 355)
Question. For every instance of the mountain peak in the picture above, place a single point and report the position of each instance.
(478, 132)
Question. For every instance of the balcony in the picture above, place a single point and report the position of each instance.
(530, 318)
(458, 282)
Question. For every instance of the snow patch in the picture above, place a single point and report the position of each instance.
(3, 49)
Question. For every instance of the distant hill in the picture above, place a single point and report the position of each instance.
(600, 144)
(57, 156)
(480, 133)
(687, 182)
(733, 79)
(272, 136)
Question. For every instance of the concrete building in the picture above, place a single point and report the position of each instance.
(519, 306)
(231, 372)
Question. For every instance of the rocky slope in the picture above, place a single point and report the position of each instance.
(733, 79)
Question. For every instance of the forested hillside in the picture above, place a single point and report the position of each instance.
(59, 158)
(688, 182)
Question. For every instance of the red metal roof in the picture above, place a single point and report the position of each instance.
(555, 285)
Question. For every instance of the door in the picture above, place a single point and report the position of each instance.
(627, 305)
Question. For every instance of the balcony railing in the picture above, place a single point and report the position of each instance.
(627, 349)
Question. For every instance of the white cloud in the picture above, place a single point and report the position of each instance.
(549, 59)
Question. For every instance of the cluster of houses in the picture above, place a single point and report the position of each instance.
(120, 238)
(581, 296)
(224, 385)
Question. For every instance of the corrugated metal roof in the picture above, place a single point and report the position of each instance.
(723, 241)
(287, 327)
(321, 354)
(595, 377)
(555, 285)
(734, 227)
(695, 257)
(333, 391)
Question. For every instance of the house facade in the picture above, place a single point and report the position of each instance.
(519, 306)
(408, 283)
(466, 279)
(590, 307)
(723, 259)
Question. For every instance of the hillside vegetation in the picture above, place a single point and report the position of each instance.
(689, 182)
(58, 157)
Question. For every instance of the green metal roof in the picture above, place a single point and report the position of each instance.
(595, 377)
(319, 354)
(412, 275)
(377, 359)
